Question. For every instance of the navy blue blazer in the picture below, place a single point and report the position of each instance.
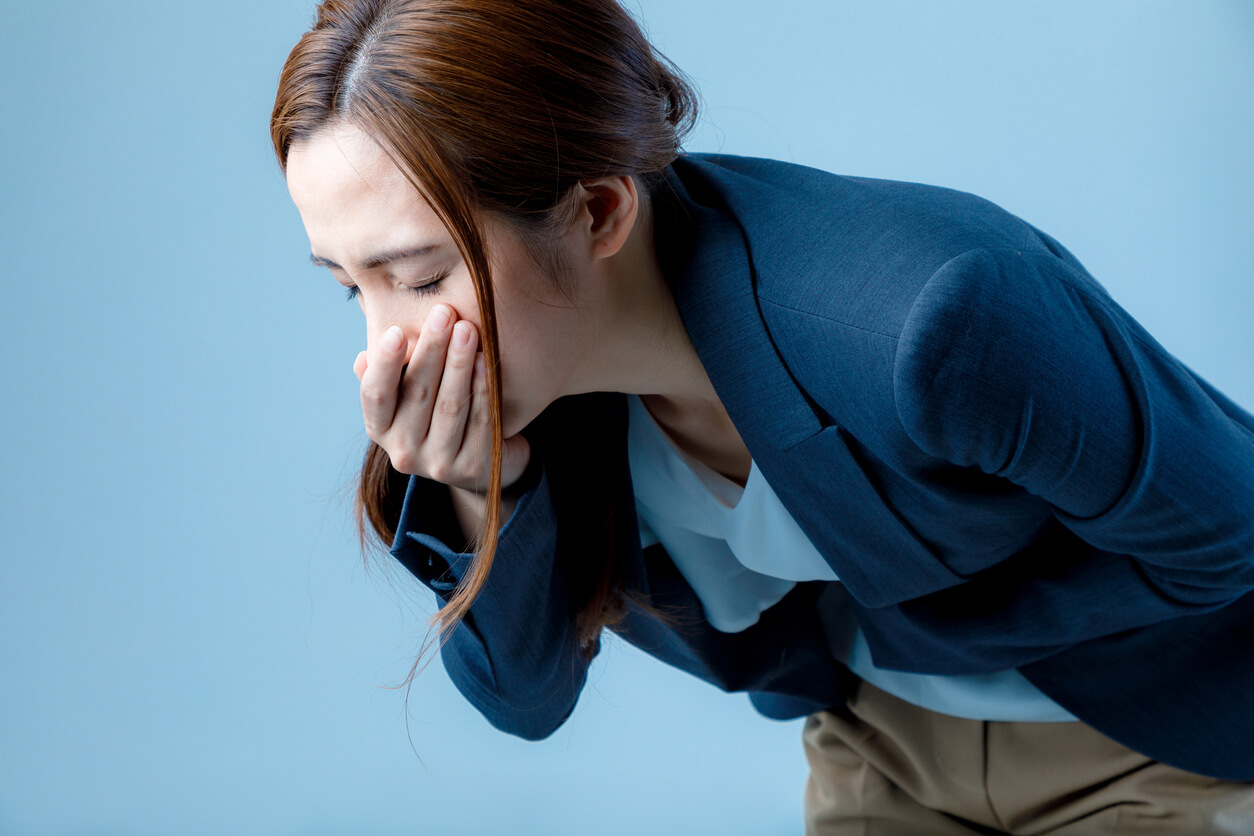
(1002, 467)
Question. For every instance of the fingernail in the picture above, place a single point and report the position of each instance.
(392, 339)
(461, 334)
(479, 363)
(438, 320)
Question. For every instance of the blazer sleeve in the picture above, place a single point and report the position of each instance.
(1019, 363)
(514, 655)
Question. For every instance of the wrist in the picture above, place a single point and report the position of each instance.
(470, 507)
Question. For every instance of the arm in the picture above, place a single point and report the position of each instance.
(1018, 363)
(514, 656)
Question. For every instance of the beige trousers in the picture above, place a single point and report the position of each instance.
(884, 766)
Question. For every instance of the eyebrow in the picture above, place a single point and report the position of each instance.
(380, 259)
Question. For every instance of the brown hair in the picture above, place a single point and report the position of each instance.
(489, 106)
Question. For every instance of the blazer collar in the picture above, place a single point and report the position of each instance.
(705, 258)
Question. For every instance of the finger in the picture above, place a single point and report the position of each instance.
(421, 379)
(452, 404)
(359, 365)
(476, 451)
(380, 380)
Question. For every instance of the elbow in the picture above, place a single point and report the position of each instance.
(529, 713)
(535, 725)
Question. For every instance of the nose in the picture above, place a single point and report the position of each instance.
(382, 316)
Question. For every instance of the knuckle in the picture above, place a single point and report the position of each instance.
(440, 472)
(404, 461)
(372, 397)
(449, 407)
(421, 391)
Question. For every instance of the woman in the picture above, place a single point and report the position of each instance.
(880, 454)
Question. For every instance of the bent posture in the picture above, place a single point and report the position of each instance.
(880, 454)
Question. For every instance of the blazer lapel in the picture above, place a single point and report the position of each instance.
(705, 257)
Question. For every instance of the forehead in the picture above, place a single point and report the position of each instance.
(344, 185)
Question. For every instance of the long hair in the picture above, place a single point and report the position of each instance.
(489, 106)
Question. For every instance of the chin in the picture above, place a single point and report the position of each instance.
(510, 425)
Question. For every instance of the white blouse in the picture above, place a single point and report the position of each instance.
(741, 551)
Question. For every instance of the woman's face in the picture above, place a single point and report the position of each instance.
(378, 237)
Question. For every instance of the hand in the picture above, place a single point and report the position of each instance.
(431, 416)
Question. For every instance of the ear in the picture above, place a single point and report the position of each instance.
(607, 212)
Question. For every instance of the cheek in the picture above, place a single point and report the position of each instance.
(521, 369)
(464, 306)
(410, 310)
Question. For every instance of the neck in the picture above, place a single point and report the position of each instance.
(639, 344)
(636, 343)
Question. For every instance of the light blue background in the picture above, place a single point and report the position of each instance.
(190, 643)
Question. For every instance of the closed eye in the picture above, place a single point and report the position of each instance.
(430, 286)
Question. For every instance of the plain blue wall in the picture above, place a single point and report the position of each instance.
(190, 643)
